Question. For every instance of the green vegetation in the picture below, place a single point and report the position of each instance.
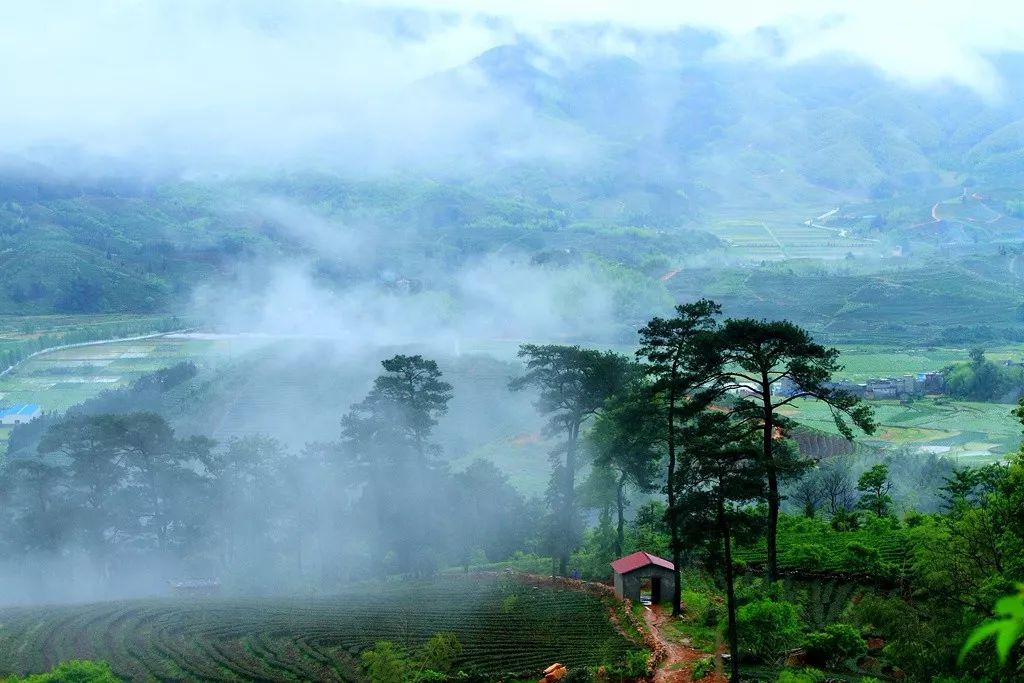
(983, 380)
(324, 639)
(129, 486)
(74, 671)
(769, 629)
(1006, 630)
(958, 429)
(875, 549)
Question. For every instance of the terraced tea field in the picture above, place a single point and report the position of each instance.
(318, 639)
(832, 549)
(778, 238)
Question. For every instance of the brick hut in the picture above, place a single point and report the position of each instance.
(633, 572)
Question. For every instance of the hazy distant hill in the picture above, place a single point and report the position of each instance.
(626, 160)
(747, 133)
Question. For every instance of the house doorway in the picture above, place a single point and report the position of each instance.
(650, 591)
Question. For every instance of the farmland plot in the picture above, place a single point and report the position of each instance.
(319, 639)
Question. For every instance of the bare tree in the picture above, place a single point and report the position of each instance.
(809, 494)
(836, 487)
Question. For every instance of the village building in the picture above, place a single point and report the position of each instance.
(931, 382)
(641, 575)
(19, 414)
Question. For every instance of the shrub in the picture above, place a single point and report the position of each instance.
(386, 663)
(696, 605)
(633, 669)
(714, 614)
(578, 674)
(440, 652)
(809, 555)
(866, 559)
(702, 668)
(768, 629)
(75, 671)
(833, 644)
(800, 676)
(845, 521)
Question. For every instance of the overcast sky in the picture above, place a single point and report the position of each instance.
(259, 79)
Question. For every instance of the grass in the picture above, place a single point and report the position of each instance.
(319, 639)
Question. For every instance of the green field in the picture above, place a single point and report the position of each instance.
(956, 429)
(63, 378)
(60, 379)
(864, 362)
(783, 237)
(507, 630)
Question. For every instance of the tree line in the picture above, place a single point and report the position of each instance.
(695, 412)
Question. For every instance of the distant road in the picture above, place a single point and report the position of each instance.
(769, 231)
(98, 342)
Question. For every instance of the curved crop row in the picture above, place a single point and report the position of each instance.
(505, 628)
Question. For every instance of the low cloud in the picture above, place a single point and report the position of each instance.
(499, 297)
(196, 87)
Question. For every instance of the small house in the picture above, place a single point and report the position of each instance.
(643, 574)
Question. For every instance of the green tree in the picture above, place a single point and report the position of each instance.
(874, 487)
(136, 458)
(386, 443)
(769, 628)
(627, 440)
(96, 471)
(247, 492)
(404, 404)
(716, 486)
(671, 351)
(493, 517)
(572, 386)
(440, 652)
(773, 364)
(385, 662)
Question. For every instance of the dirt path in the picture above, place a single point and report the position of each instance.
(679, 656)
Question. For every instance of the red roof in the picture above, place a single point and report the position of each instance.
(629, 563)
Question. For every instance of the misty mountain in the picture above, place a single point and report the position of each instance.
(747, 133)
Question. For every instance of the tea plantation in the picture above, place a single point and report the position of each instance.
(508, 630)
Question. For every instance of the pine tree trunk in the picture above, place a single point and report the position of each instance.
(773, 479)
(568, 500)
(730, 594)
(620, 503)
(673, 524)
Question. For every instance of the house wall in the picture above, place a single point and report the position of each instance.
(627, 586)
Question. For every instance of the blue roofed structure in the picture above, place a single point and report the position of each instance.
(19, 413)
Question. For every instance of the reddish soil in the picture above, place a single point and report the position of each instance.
(679, 657)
